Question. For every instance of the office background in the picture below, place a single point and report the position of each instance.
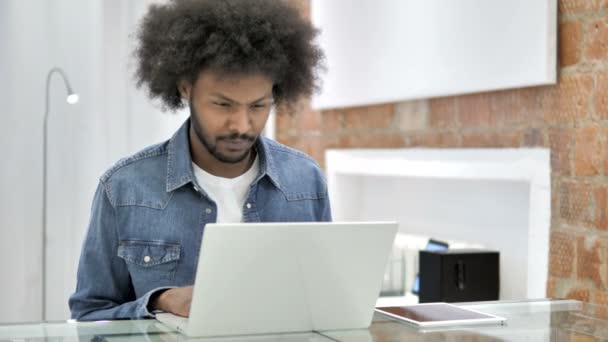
(89, 40)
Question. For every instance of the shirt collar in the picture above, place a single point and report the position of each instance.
(179, 161)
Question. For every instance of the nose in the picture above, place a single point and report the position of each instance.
(240, 121)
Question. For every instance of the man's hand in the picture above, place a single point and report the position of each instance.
(176, 301)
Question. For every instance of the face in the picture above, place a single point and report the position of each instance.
(228, 112)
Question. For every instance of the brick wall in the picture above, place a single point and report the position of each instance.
(570, 118)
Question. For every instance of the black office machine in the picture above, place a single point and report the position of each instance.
(459, 275)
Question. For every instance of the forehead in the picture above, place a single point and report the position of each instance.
(240, 85)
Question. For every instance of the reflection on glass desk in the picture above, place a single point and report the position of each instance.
(542, 320)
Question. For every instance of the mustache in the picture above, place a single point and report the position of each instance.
(236, 136)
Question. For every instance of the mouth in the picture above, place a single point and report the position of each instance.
(235, 145)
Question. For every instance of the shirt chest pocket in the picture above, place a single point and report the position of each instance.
(150, 264)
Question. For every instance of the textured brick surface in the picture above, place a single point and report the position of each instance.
(365, 140)
(436, 140)
(582, 338)
(285, 124)
(516, 106)
(571, 43)
(551, 284)
(568, 101)
(561, 249)
(412, 115)
(332, 121)
(561, 142)
(488, 140)
(601, 299)
(588, 260)
(576, 203)
(442, 113)
(534, 137)
(600, 197)
(581, 294)
(588, 154)
(574, 6)
(308, 120)
(601, 96)
(597, 41)
(366, 118)
(474, 110)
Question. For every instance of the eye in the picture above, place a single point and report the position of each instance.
(259, 106)
(222, 104)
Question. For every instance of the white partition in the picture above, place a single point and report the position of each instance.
(382, 51)
(499, 198)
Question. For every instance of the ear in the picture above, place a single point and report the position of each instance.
(185, 88)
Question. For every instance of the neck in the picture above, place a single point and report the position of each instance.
(206, 161)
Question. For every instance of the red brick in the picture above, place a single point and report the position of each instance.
(515, 106)
(570, 43)
(597, 41)
(561, 252)
(588, 151)
(288, 140)
(568, 101)
(551, 282)
(387, 140)
(491, 140)
(365, 118)
(577, 203)
(601, 96)
(412, 116)
(315, 146)
(601, 4)
(581, 294)
(305, 118)
(442, 113)
(600, 196)
(560, 141)
(534, 137)
(285, 124)
(434, 140)
(588, 260)
(332, 121)
(574, 6)
(555, 190)
(600, 298)
(576, 337)
(474, 110)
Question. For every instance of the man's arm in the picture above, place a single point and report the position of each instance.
(104, 290)
(325, 209)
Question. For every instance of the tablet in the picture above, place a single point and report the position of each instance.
(439, 315)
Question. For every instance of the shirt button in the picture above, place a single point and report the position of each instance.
(147, 259)
(208, 210)
(248, 205)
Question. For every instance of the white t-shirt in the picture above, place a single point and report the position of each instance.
(229, 194)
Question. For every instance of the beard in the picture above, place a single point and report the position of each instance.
(210, 142)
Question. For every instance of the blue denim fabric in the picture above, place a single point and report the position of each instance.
(149, 215)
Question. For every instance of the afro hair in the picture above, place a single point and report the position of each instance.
(178, 39)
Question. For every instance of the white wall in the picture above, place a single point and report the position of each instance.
(90, 41)
(395, 50)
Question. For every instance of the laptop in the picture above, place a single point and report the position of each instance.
(265, 278)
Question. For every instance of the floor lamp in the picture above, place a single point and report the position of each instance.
(72, 98)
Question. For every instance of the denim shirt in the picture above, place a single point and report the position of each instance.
(149, 215)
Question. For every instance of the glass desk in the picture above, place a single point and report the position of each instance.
(543, 320)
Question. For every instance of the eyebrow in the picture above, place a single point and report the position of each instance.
(225, 98)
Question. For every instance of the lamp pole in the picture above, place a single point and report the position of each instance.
(72, 98)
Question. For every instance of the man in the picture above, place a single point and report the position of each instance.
(230, 61)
